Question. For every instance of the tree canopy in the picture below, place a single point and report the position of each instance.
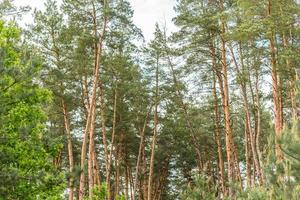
(90, 110)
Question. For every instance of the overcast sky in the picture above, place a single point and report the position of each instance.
(146, 13)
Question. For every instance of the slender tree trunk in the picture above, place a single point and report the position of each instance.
(276, 92)
(117, 176)
(162, 178)
(91, 150)
(231, 163)
(57, 160)
(248, 156)
(151, 168)
(232, 157)
(131, 183)
(108, 164)
(230, 147)
(90, 123)
(145, 180)
(95, 165)
(126, 183)
(221, 173)
(140, 153)
(258, 126)
(257, 169)
(96, 169)
(70, 148)
(104, 139)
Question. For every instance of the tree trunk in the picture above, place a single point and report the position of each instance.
(131, 183)
(90, 123)
(218, 137)
(257, 169)
(276, 92)
(258, 125)
(162, 178)
(96, 169)
(126, 183)
(230, 147)
(117, 179)
(70, 148)
(145, 180)
(108, 164)
(151, 168)
(248, 157)
(104, 138)
(140, 153)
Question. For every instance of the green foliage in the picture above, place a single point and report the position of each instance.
(58, 69)
(25, 169)
(100, 192)
(256, 193)
(201, 188)
(282, 177)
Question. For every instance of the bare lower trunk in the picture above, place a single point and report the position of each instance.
(126, 183)
(96, 170)
(151, 168)
(91, 149)
(160, 183)
(223, 85)
(82, 161)
(257, 169)
(230, 147)
(70, 148)
(140, 153)
(108, 164)
(153, 144)
(145, 180)
(90, 122)
(117, 179)
(258, 126)
(131, 183)
(221, 173)
(104, 139)
(276, 92)
(248, 157)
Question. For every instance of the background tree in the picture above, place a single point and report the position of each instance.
(25, 148)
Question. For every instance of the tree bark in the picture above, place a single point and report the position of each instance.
(140, 153)
(104, 139)
(221, 173)
(233, 172)
(257, 169)
(90, 123)
(276, 92)
(70, 148)
(151, 168)
(258, 125)
(126, 183)
(108, 170)
(145, 178)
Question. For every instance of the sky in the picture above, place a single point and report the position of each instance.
(146, 14)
